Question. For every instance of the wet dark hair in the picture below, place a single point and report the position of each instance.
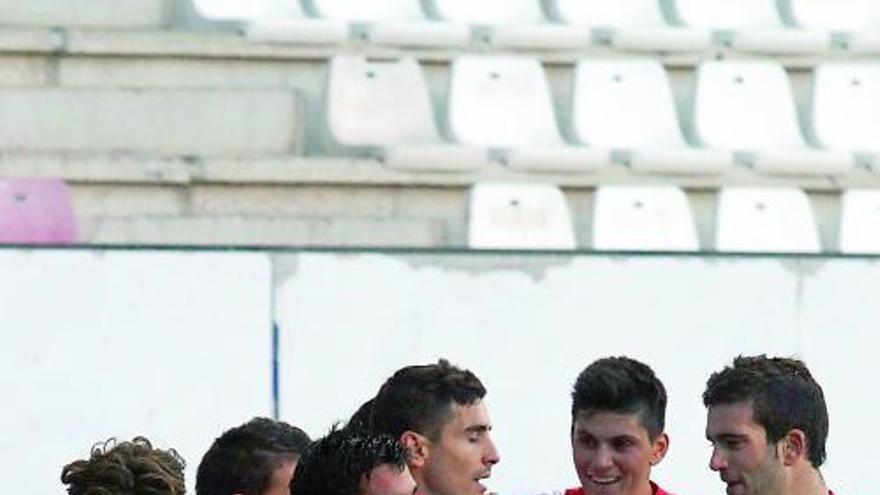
(360, 420)
(243, 459)
(621, 385)
(338, 463)
(126, 468)
(783, 394)
(420, 398)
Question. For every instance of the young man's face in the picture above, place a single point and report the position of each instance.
(740, 453)
(280, 482)
(613, 453)
(463, 455)
(387, 479)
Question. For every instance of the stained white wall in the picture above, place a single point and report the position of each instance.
(173, 346)
(176, 346)
(528, 329)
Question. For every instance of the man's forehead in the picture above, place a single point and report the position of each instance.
(734, 417)
(469, 416)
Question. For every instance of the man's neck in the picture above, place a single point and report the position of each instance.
(808, 481)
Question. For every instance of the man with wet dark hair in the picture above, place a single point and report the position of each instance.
(354, 462)
(767, 422)
(437, 412)
(256, 458)
(618, 416)
(126, 468)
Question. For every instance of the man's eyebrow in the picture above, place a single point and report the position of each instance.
(478, 428)
(727, 437)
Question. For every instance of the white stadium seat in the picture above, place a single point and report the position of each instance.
(394, 22)
(281, 21)
(857, 20)
(385, 105)
(768, 220)
(643, 218)
(627, 105)
(846, 107)
(504, 103)
(631, 25)
(860, 222)
(748, 107)
(751, 25)
(511, 23)
(519, 216)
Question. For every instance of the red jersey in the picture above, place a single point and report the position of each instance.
(656, 490)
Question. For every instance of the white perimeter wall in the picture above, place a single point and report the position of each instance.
(527, 330)
(177, 346)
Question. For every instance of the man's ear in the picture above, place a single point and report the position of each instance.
(418, 447)
(659, 447)
(794, 447)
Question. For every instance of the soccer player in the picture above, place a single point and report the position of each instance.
(767, 422)
(618, 416)
(437, 412)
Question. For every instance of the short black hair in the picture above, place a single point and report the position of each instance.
(126, 468)
(360, 420)
(243, 459)
(621, 385)
(338, 463)
(783, 394)
(420, 398)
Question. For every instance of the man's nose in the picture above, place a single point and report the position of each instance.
(717, 461)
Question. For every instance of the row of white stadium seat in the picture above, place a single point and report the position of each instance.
(796, 26)
(500, 109)
(659, 218)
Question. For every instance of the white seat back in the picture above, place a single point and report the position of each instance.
(519, 216)
(772, 220)
(846, 106)
(379, 102)
(501, 102)
(643, 218)
(840, 15)
(746, 106)
(489, 11)
(727, 14)
(370, 10)
(624, 104)
(602, 13)
(256, 9)
(860, 222)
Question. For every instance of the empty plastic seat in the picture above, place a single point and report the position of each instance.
(860, 222)
(846, 106)
(504, 103)
(385, 106)
(748, 107)
(627, 105)
(262, 20)
(631, 25)
(511, 23)
(519, 216)
(643, 218)
(769, 220)
(857, 20)
(394, 22)
(751, 25)
(34, 211)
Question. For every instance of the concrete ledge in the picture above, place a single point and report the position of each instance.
(121, 168)
(94, 13)
(75, 40)
(178, 122)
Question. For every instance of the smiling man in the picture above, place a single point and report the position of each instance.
(767, 422)
(437, 412)
(617, 428)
